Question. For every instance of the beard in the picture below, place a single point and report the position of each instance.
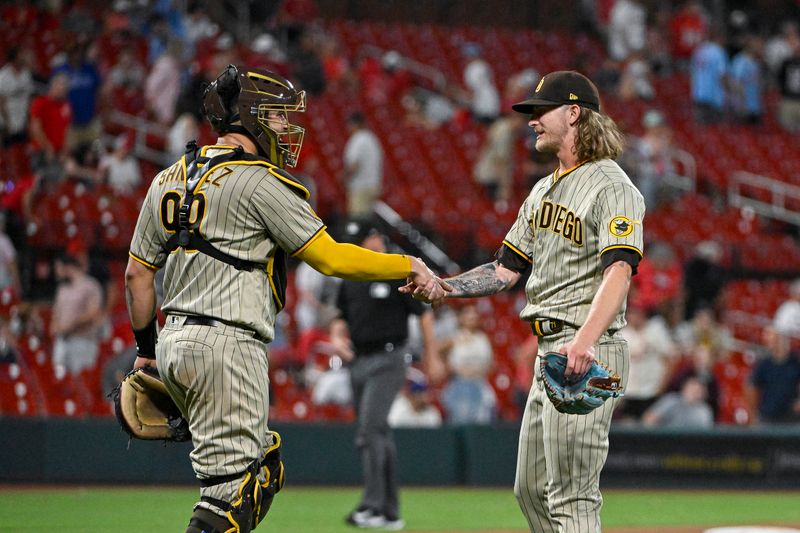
(547, 145)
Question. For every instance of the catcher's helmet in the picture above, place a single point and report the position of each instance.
(240, 101)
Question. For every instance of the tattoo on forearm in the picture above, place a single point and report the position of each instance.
(480, 281)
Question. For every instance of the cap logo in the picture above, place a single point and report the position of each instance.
(538, 87)
(572, 96)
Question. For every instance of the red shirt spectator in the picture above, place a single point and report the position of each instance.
(50, 117)
(688, 28)
(660, 278)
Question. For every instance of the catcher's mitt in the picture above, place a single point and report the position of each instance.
(145, 409)
(581, 395)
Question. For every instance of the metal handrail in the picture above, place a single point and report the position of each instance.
(779, 191)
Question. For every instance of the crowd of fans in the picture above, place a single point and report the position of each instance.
(60, 97)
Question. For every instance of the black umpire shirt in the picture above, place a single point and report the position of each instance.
(376, 313)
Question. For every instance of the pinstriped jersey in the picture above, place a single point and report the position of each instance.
(564, 226)
(245, 209)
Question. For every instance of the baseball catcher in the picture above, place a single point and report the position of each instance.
(577, 396)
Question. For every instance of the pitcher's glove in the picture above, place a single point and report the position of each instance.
(145, 409)
(577, 395)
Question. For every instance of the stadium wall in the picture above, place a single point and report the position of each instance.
(96, 451)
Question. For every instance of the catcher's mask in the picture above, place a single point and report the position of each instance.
(241, 101)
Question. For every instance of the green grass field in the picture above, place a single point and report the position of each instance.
(321, 510)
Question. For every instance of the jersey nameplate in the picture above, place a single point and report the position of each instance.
(560, 220)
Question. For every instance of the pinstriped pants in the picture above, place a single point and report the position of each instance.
(560, 456)
(218, 378)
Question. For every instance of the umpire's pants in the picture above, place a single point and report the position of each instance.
(560, 456)
(376, 379)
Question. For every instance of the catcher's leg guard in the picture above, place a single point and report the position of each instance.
(272, 466)
(254, 497)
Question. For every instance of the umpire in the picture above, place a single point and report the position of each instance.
(376, 315)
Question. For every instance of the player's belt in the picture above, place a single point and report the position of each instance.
(543, 327)
(197, 320)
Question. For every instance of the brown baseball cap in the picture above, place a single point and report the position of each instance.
(563, 87)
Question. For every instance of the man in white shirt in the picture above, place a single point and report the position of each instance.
(478, 78)
(363, 167)
(16, 88)
(787, 318)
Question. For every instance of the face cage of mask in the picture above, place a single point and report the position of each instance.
(289, 141)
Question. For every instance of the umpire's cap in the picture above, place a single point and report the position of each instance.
(560, 88)
(356, 230)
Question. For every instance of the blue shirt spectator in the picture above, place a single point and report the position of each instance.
(84, 83)
(746, 83)
(708, 70)
(776, 381)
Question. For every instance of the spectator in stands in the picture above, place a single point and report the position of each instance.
(627, 29)
(787, 317)
(746, 82)
(122, 87)
(686, 409)
(494, 168)
(660, 279)
(427, 109)
(198, 26)
(709, 69)
(704, 330)
(635, 81)
(9, 273)
(50, 117)
(363, 167)
(412, 408)
(185, 128)
(651, 159)
(775, 382)
(688, 29)
(468, 398)
(77, 317)
(781, 47)
(120, 167)
(653, 354)
(789, 82)
(16, 89)
(698, 362)
(478, 79)
(83, 163)
(8, 343)
(306, 61)
(703, 278)
(84, 86)
(163, 84)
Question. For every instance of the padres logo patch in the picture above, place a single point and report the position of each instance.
(538, 87)
(621, 226)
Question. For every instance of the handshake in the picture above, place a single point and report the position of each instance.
(424, 285)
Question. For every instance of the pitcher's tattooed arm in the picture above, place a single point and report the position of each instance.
(483, 280)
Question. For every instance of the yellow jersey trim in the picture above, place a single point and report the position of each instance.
(518, 251)
(151, 266)
(622, 247)
(557, 176)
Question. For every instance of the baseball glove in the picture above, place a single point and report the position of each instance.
(145, 409)
(577, 396)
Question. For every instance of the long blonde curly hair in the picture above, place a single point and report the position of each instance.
(598, 137)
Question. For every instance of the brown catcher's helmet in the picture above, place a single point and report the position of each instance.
(240, 101)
